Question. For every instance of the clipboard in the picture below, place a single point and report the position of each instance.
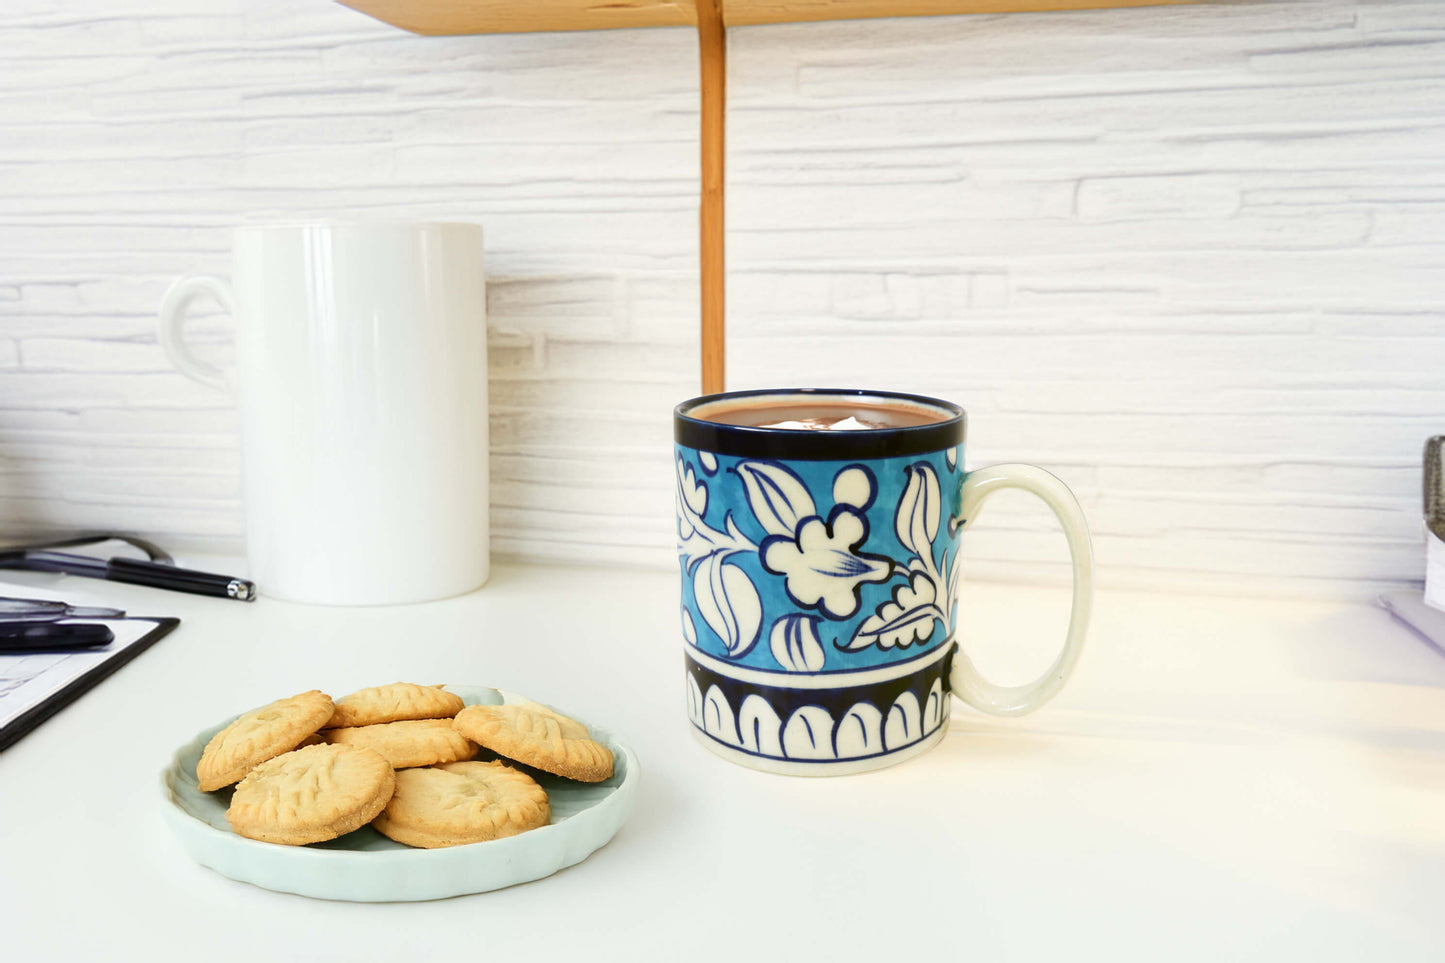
(36, 685)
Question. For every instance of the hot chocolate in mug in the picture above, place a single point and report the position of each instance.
(818, 532)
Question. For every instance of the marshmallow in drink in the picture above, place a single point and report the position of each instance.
(823, 424)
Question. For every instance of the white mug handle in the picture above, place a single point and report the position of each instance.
(966, 681)
(172, 326)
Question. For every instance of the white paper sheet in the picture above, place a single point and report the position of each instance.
(30, 680)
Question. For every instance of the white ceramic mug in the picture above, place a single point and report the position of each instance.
(361, 353)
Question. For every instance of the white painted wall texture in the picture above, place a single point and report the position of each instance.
(1191, 259)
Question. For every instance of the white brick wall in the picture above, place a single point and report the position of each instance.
(1192, 259)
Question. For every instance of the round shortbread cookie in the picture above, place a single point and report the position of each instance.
(462, 802)
(259, 735)
(395, 702)
(539, 737)
(311, 794)
(411, 742)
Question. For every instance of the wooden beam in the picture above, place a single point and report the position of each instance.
(712, 49)
(442, 17)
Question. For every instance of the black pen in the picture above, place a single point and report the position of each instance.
(53, 636)
(134, 571)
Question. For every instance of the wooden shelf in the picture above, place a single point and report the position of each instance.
(450, 17)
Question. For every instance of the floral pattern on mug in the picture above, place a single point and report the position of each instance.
(910, 615)
(831, 587)
(822, 564)
(723, 595)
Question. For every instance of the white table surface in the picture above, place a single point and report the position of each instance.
(1223, 779)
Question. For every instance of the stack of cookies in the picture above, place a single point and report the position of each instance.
(399, 757)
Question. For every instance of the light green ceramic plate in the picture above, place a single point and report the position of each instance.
(365, 866)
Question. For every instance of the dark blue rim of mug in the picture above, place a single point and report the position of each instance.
(748, 442)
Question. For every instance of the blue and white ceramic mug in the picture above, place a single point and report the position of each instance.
(820, 572)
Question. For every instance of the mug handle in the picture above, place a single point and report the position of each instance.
(173, 320)
(965, 680)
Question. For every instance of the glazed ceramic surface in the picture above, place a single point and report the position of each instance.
(365, 866)
(819, 584)
(361, 378)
